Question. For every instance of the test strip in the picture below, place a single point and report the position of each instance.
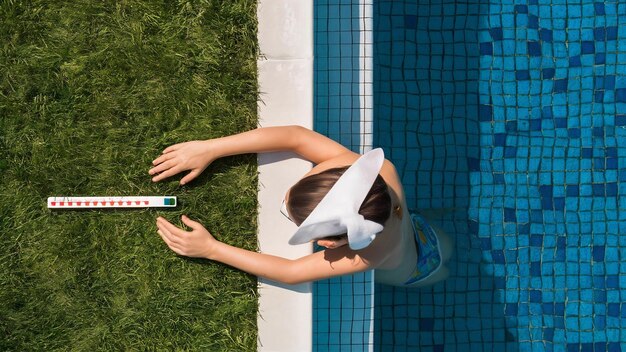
(111, 202)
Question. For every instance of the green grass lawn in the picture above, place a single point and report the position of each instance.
(90, 93)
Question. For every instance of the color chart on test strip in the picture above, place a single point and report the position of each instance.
(111, 202)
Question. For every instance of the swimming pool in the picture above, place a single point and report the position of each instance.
(509, 114)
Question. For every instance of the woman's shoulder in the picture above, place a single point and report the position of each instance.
(347, 159)
(340, 160)
(388, 170)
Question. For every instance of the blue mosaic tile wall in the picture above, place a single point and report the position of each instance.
(342, 306)
(512, 115)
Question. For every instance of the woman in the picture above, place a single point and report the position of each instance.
(363, 222)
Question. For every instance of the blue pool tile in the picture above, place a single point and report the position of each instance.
(588, 47)
(426, 324)
(598, 253)
(613, 309)
(535, 296)
(615, 347)
(559, 308)
(546, 111)
(533, 22)
(598, 96)
(604, 82)
(620, 95)
(535, 125)
(572, 190)
(536, 240)
(510, 309)
(609, 82)
(485, 112)
(611, 33)
(486, 48)
(559, 203)
(521, 75)
(511, 126)
(598, 132)
(498, 256)
(534, 48)
(560, 85)
(611, 151)
(410, 21)
(548, 308)
(499, 139)
(496, 33)
(545, 35)
(560, 122)
(535, 268)
(612, 163)
(612, 281)
(509, 215)
(473, 164)
(521, 8)
(573, 132)
(485, 244)
(599, 8)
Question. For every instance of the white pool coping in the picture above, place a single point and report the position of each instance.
(285, 74)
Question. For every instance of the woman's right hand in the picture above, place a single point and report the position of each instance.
(195, 156)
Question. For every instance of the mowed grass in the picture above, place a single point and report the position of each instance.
(90, 93)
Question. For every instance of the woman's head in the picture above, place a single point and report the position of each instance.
(304, 196)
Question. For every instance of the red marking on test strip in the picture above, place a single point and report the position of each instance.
(53, 203)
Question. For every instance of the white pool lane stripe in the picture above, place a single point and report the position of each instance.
(366, 74)
(111, 202)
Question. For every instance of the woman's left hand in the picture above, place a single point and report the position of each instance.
(197, 243)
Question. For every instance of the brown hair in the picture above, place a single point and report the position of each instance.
(309, 191)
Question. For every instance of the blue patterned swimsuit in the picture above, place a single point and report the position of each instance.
(428, 251)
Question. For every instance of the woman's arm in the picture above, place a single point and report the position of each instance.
(315, 266)
(197, 155)
(306, 143)
(200, 243)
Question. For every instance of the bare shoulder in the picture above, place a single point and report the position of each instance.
(345, 159)
(388, 171)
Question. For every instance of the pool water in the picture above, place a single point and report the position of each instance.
(507, 117)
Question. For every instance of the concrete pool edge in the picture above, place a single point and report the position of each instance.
(285, 76)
